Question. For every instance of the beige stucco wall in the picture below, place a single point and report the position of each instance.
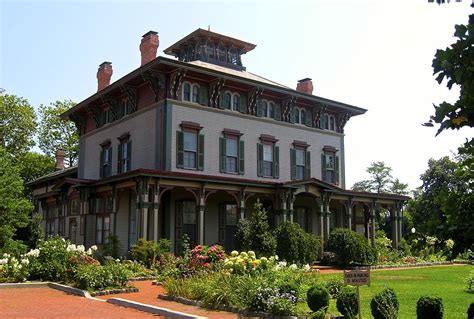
(214, 121)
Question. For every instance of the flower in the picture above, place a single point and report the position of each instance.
(94, 247)
(25, 262)
(307, 267)
(293, 267)
(81, 248)
(234, 253)
(3, 261)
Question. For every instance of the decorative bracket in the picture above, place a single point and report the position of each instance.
(215, 91)
(113, 104)
(156, 80)
(254, 95)
(80, 122)
(342, 120)
(95, 114)
(318, 114)
(287, 107)
(131, 93)
(176, 81)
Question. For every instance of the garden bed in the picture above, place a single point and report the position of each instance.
(113, 291)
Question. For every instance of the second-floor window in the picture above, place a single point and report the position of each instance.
(124, 155)
(231, 153)
(268, 157)
(106, 160)
(330, 166)
(190, 147)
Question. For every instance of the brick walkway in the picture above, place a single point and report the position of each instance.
(148, 294)
(35, 303)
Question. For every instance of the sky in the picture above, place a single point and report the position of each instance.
(373, 54)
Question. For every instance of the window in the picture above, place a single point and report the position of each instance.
(330, 165)
(300, 161)
(228, 217)
(210, 48)
(190, 150)
(74, 207)
(231, 156)
(106, 160)
(189, 213)
(300, 164)
(268, 157)
(303, 117)
(301, 217)
(267, 160)
(221, 51)
(332, 123)
(265, 109)
(102, 229)
(185, 223)
(231, 152)
(271, 110)
(233, 55)
(236, 102)
(196, 93)
(124, 154)
(227, 101)
(296, 116)
(325, 122)
(187, 92)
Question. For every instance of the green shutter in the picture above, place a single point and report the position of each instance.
(276, 162)
(243, 103)
(293, 163)
(309, 118)
(222, 155)
(292, 115)
(201, 153)
(308, 165)
(119, 159)
(323, 167)
(336, 171)
(278, 111)
(203, 95)
(179, 149)
(129, 156)
(222, 224)
(178, 213)
(241, 158)
(109, 164)
(259, 159)
(101, 161)
(259, 107)
(221, 100)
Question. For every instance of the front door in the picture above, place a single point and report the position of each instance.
(72, 230)
(185, 224)
(228, 217)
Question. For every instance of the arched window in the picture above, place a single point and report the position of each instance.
(297, 115)
(186, 92)
(271, 110)
(236, 102)
(227, 100)
(264, 109)
(196, 93)
(303, 117)
(210, 48)
(325, 122)
(332, 123)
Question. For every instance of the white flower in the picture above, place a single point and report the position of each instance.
(276, 257)
(25, 262)
(71, 248)
(293, 267)
(33, 253)
(307, 267)
(3, 261)
(81, 248)
(89, 251)
(94, 247)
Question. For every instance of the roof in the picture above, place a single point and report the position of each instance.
(207, 34)
(56, 174)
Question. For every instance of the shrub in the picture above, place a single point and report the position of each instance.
(469, 282)
(318, 298)
(347, 303)
(207, 257)
(112, 248)
(295, 245)
(96, 277)
(147, 252)
(351, 247)
(428, 307)
(384, 305)
(470, 311)
(334, 286)
(253, 233)
(247, 262)
(13, 269)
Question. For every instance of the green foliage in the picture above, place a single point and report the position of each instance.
(318, 298)
(469, 281)
(13, 269)
(470, 311)
(334, 286)
(95, 277)
(351, 247)
(55, 133)
(381, 181)
(253, 233)
(347, 303)
(33, 165)
(14, 208)
(428, 307)
(147, 252)
(17, 124)
(384, 305)
(112, 248)
(295, 245)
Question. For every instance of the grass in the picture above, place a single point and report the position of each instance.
(410, 284)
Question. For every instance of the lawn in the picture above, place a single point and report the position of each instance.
(410, 284)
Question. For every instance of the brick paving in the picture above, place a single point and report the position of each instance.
(35, 303)
(148, 294)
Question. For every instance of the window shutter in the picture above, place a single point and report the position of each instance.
(222, 154)
(293, 116)
(277, 113)
(129, 156)
(259, 108)
(309, 118)
(309, 217)
(293, 163)
(243, 104)
(323, 167)
(259, 159)
(241, 158)
(178, 213)
(101, 169)
(119, 159)
(203, 95)
(308, 165)
(179, 149)
(336, 171)
(222, 223)
(109, 164)
(221, 100)
(276, 162)
(201, 153)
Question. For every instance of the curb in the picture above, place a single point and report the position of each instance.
(152, 309)
(33, 284)
(73, 291)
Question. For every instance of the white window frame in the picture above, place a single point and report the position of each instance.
(198, 93)
(190, 92)
(234, 96)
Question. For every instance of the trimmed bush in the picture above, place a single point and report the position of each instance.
(429, 307)
(384, 305)
(318, 298)
(334, 286)
(147, 251)
(347, 303)
(351, 247)
(470, 311)
(295, 245)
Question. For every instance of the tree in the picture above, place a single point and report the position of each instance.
(14, 207)
(33, 165)
(380, 181)
(55, 133)
(398, 187)
(17, 124)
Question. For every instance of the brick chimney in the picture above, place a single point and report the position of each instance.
(104, 73)
(305, 86)
(60, 154)
(149, 46)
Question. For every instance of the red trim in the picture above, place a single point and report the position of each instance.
(268, 138)
(329, 149)
(125, 136)
(231, 133)
(190, 125)
(105, 143)
(300, 144)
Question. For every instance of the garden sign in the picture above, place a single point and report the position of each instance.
(358, 277)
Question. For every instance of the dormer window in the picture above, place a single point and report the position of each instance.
(186, 92)
(227, 101)
(265, 109)
(332, 123)
(325, 122)
(210, 48)
(271, 110)
(303, 117)
(236, 102)
(195, 93)
(221, 53)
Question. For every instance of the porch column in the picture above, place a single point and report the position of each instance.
(202, 208)
(372, 222)
(291, 211)
(321, 225)
(156, 208)
(242, 207)
(142, 208)
(394, 220)
(284, 210)
(328, 216)
(349, 214)
(400, 222)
